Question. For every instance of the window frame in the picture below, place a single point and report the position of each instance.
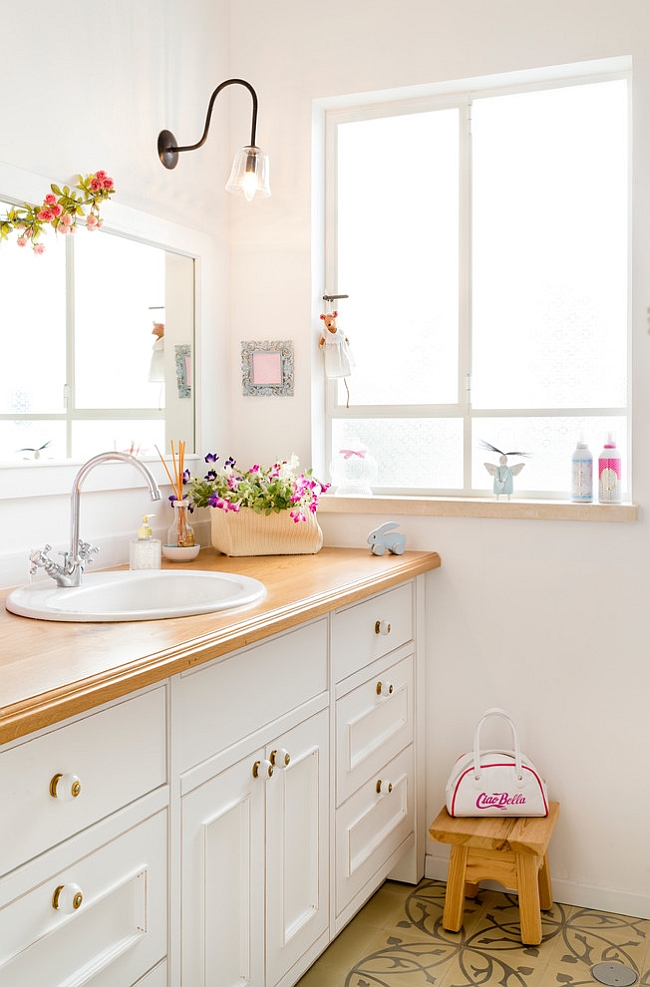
(462, 99)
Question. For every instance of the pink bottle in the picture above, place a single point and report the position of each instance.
(609, 473)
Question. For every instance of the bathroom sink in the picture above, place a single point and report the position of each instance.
(136, 595)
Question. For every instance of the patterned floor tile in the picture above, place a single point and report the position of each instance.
(397, 940)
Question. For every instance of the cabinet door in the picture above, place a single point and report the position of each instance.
(222, 936)
(297, 826)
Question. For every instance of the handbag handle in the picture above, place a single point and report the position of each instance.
(495, 711)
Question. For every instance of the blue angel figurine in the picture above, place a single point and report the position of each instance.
(503, 474)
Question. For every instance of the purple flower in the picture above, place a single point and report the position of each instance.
(230, 461)
(211, 457)
(211, 475)
(186, 476)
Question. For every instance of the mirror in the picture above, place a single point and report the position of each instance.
(98, 343)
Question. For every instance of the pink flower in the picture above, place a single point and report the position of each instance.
(107, 183)
(91, 222)
(39, 248)
(46, 215)
(67, 219)
(96, 185)
(100, 174)
(63, 229)
(50, 199)
(56, 208)
(21, 241)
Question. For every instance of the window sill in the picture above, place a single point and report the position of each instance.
(530, 510)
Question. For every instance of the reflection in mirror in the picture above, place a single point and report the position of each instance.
(97, 336)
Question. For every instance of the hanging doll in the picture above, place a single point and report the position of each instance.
(336, 346)
(503, 474)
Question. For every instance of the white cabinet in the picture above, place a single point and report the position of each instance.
(86, 822)
(255, 833)
(293, 788)
(374, 666)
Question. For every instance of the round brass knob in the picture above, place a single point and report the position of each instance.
(67, 898)
(65, 787)
(382, 627)
(262, 769)
(280, 758)
(384, 689)
(383, 786)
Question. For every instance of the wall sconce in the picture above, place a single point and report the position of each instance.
(250, 169)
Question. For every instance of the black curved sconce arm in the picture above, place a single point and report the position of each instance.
(169, 150)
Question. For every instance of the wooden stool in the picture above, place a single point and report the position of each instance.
(510, 850)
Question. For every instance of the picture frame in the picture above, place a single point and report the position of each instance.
(267, 368)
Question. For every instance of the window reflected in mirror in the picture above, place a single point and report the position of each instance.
(97, 336)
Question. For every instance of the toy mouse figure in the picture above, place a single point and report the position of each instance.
(503, 474)
(338, 356)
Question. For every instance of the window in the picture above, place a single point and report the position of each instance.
(483, 244)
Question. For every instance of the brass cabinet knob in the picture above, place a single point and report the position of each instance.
(384, 689)
(280, 758)
(65, 787)
(383, 787)
(382, 627)
(262, 769)
(67, 898)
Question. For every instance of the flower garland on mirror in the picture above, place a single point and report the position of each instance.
(60, 209)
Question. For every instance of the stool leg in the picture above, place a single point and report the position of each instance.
(528, 888)
(545, 889)
(452, 917)
(471, 890)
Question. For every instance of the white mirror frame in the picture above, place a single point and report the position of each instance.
(47, 479)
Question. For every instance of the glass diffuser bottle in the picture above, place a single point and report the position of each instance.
(181, 533)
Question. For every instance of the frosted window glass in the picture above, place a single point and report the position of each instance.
(32, 441)
(32, 288)
(549, 229)
(550, 442)
(410, 452)
(397, 224)
(119, 288)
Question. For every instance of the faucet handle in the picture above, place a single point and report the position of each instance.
(39, 558)
(85, 551)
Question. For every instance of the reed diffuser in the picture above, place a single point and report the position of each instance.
(181, 533)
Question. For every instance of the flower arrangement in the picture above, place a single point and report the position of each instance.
(264, 489)
(60, 209)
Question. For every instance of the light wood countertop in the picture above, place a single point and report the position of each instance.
(50, 670)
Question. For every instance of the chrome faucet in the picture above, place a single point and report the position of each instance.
(80, 554)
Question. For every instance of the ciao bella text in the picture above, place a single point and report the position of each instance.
(498, 800)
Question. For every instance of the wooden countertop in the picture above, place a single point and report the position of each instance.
(50, 670)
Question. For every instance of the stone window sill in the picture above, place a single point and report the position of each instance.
(531, 510)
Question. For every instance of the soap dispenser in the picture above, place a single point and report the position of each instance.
(145, 549)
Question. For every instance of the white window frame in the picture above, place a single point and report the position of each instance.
(461, 98)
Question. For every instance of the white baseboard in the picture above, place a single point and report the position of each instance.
(567, 892)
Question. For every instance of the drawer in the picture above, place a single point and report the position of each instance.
(374, 722)
(117, 755)
(218, 704)
(115, 935)
(372, 825)
(368, 630)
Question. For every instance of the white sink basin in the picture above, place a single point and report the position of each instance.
(138, 595)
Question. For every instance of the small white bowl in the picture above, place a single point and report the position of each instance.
(176, 554)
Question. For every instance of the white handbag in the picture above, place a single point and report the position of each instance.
(495, 782)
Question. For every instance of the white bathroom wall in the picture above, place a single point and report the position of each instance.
(548, 619)
(89, 86)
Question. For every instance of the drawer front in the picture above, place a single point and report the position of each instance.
(368, 630)
(218, 704)
(118, 930)
(116, 755)
(374, 722)
(372, 825)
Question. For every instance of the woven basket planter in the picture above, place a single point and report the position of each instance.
(244, 532)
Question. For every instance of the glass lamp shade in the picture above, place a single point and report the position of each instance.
(250, 173)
